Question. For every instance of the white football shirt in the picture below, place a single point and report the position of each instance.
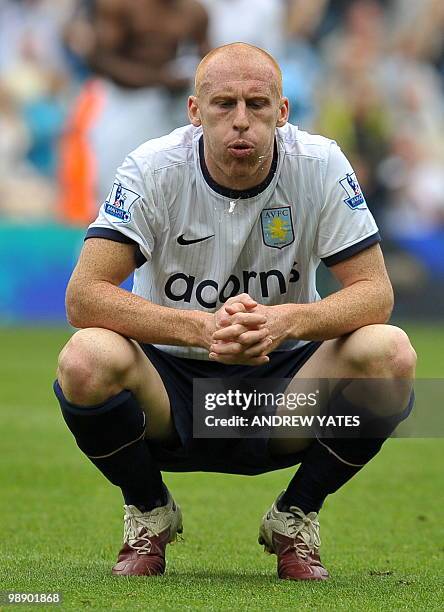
(200, 243)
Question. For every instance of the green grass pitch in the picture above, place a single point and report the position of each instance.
(61, 523)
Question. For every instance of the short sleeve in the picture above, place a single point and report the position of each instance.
(346, 226)
(130, 214)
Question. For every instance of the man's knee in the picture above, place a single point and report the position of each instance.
(93, 366)
(381, 351)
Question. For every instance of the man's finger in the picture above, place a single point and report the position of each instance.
(243, 298)
(259, 348)
(247, 305)
(237, 328)
(249, 319)
(251, 337)
(226, 348)
(233, 360)
(241, 334)
(232, 332)
(236, 307)
(225, 318)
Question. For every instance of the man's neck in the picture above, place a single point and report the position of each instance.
(238, 186)
(239, 182)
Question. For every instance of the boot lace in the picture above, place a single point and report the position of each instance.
(132, 528)
(304, 528)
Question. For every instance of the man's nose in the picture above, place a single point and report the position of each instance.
(240, 121)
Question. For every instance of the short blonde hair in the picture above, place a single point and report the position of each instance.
(236, 49)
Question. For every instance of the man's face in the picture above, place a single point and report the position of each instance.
(239, 107)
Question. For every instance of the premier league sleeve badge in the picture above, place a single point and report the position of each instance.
(355, 200)
(119, 203)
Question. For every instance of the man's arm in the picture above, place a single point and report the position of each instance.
(366, 298)
(94, 299)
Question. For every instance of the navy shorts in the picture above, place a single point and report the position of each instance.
(248, 456)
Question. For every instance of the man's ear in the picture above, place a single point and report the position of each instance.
(193, 111)
(284, 111)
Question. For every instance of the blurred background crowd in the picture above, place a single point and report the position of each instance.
(82, 82)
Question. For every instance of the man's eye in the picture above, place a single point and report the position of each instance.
(225, 104)
(256, 104)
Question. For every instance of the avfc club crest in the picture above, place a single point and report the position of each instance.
(355, 199)
(120, 202)
(277, 227)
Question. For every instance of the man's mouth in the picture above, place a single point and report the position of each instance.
(240, 148)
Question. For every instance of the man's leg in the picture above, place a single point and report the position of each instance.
(112, 398)
(373, 352)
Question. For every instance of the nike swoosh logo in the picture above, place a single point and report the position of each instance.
(184, 242)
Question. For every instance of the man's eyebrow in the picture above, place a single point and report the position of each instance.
(259, 96)
(227, 93)
(223, 94)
